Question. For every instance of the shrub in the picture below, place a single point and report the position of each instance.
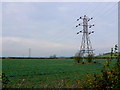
(109, 78)
(78, 57)
(90, 58)
(5, 80)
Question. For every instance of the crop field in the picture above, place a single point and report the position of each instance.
(41, 73)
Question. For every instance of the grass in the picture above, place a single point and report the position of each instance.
(38, 73)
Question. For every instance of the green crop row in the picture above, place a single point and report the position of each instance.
(40, 72)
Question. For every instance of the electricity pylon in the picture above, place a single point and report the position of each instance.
(29, 52)
(86, 46)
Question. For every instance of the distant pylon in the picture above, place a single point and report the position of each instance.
(86, 46)
(29, 52)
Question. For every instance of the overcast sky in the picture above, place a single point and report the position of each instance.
(49, 28)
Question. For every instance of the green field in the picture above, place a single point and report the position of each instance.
(40, 73)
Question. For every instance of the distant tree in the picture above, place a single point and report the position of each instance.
(115, 50)
(53, 56)
(78, 57)
(111, 54)
(90, 57)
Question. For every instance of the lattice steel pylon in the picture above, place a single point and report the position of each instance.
(86, 46)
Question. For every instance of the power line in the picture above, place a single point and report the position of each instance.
(108, 11)
(97, 8)
(105, 11)
(64, 33)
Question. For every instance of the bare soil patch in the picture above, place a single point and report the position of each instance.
(86, 63)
